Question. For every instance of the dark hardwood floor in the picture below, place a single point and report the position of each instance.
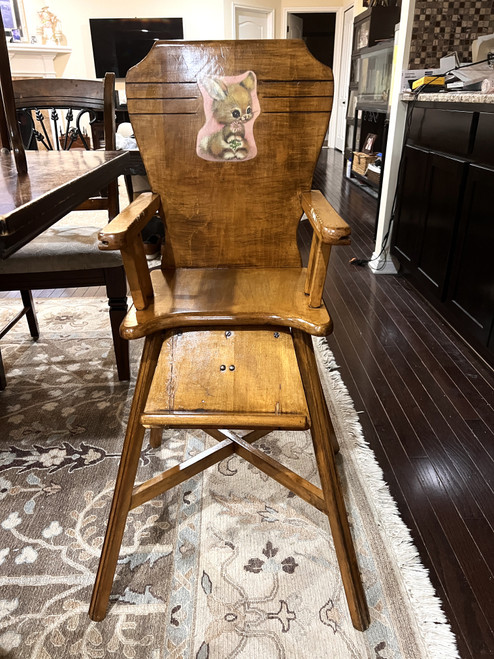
(425, 402)
(426, 409)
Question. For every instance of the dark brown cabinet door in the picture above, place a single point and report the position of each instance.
(471, 289)
(483, 152)
(409, 223)
(427, 217)
(448, 131)
(439, 220)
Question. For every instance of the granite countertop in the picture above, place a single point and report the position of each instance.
(450, 97)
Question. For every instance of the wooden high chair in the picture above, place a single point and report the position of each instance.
(229, 133)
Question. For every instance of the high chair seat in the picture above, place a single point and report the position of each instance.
(239, 378)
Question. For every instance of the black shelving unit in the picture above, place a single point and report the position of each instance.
(371, 28)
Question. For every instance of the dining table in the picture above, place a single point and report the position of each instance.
(56, 182)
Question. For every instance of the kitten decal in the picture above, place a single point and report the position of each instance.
(231, 106)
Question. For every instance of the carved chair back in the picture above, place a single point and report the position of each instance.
(230, 134)
(54, 113)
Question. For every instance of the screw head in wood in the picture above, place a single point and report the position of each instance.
(232, 367)
(222, 367)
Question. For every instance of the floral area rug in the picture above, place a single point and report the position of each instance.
(229, 564)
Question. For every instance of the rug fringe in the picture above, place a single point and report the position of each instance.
(437, 635)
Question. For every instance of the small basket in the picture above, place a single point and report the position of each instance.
(374, 177)
(361, 161)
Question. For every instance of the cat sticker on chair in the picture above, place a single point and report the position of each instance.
(231, 106)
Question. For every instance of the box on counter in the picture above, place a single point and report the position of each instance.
(408, 76)
(433, 83)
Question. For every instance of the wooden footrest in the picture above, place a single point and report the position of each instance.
(237, 378)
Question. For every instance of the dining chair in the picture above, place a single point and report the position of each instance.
(230, 133)
(10, 139)
(57, 114)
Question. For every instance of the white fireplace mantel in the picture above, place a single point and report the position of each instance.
(33, 60)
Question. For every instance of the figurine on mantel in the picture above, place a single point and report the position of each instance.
(50, 31)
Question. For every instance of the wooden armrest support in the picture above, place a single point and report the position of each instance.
(123, 233)
(329, 229)
(328, 225)
(123, 229)
(316, 271)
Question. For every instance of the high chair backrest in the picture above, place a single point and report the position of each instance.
(230, 133)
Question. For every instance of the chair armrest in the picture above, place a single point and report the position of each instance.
(329, 229)
(123, 233)
(328, 225)
(122, 230)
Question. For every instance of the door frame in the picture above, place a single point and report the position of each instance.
(343, 78)
(338, 40)
(269, 13)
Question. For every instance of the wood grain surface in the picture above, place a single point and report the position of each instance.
(57, 181)
(230, 213)
(237, 378)
(190, 297)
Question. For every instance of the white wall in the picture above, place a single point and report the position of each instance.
(291, 4)
(202, 20)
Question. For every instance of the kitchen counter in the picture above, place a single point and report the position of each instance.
(450, 97)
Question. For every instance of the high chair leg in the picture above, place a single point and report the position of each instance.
(155, 437)
(125, 481)
(329, 426)
(320, 427)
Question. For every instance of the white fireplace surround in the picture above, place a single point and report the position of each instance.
(33, 60)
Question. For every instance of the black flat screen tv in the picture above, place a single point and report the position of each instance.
(119, 43)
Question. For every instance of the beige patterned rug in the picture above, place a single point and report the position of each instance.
(229, 564)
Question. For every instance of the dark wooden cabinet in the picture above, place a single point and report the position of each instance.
(444, 228)
(447, 131)
(470, 297)
(427, 218)
(408, 231)
(441, 198)
(483, 151)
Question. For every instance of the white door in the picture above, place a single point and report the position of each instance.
(342, 100)
(252, 23)
(295, 26)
